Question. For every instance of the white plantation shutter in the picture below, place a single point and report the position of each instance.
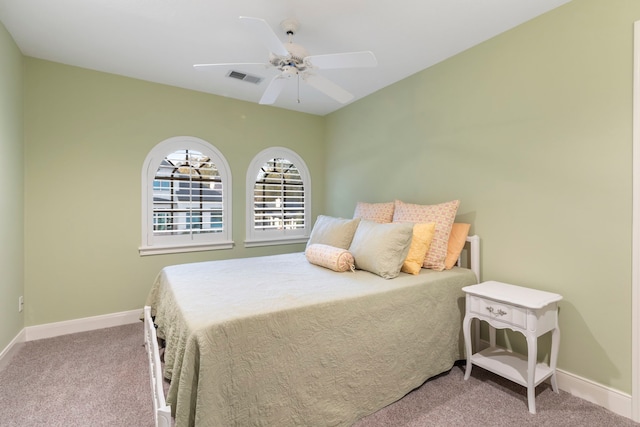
(186, 200)
(279, 200)
(278, 196)
(187, 195)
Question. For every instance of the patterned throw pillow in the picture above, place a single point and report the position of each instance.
(443, 215)
(377, 212)
(330, 257)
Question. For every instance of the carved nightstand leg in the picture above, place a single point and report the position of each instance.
(466, 330)
(532, 344)
(555, 344)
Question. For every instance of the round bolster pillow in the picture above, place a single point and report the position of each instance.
(336, 259)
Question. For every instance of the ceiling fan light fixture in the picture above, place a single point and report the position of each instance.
(289, 71)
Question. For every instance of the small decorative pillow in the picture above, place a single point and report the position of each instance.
(420, 242)
(381, 248)
(336, 259)
(332, 231)
(377, 212)
(457, 239)
(443, 215)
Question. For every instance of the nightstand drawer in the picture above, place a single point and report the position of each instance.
(499, 312)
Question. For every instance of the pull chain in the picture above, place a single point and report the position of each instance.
(298, 88)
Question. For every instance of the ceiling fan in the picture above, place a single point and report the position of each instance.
(292, 60)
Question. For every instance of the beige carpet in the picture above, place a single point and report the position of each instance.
(488, 400)
(97, 378)
(100, 378)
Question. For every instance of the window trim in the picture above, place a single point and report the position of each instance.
(255, 238)
(203, 242)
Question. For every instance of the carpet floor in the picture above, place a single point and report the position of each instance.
(100, 378)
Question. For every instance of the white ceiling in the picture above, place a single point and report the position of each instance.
(160, 40)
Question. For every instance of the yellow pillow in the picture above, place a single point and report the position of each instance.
(420, 242)
(457, 239)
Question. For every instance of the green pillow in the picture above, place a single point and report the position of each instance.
(381, 248)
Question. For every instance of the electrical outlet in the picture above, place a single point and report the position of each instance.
(20, 304)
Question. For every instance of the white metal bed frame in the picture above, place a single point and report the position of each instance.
(162, 412)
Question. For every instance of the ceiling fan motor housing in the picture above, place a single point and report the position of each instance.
(296, 57)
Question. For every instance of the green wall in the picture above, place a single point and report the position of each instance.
(531, 130)
(11, 189)
(86, 138)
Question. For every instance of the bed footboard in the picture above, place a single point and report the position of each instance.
(161, 411)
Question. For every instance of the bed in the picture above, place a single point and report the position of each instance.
(286, 342)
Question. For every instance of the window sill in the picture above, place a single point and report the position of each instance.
(273, 242)
(160, 250)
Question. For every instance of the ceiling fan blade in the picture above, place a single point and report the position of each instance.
(343, 60)
(263, 32)
(273, 90)
(328, 87)
(232, 64)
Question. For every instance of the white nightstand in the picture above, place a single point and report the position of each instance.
(529, 311)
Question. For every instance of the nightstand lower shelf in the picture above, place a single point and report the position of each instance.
(510, 365)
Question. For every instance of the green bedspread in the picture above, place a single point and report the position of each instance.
(276, 341)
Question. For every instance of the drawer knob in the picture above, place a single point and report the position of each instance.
(499, 312)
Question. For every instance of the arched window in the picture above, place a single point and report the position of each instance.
(186, 198)
(278, 198)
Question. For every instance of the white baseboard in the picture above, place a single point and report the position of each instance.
(50, 330)
(10, 350)
(591, 391)
(609, 398)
